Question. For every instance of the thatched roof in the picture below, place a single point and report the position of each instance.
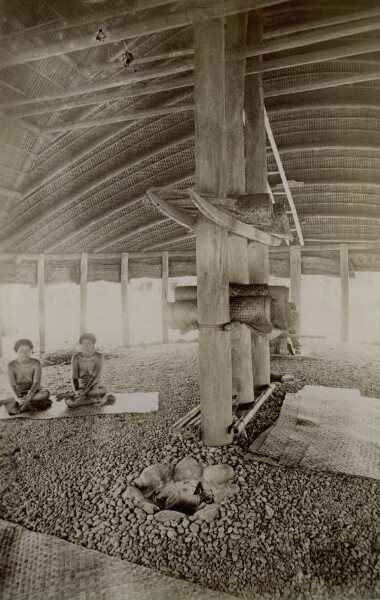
(79, 147)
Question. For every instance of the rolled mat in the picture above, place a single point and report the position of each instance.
(248, 310)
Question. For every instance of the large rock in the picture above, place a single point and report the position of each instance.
(168, 516)
(133, 494)
(188, 468)
(154, 478)
(217, 474)
(222, 492)
(208, 513)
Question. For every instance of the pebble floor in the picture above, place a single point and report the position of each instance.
(288, 534)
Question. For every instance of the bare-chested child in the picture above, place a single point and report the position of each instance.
(86, 371)
(24, 375)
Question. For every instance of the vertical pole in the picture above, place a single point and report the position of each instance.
(236, 28)
(165, 291)
(83, 292)
(2, 328)
(124, 276)
(344, 293)
(295, 283)
(258, 259)
(256, 182)
(41, 303)
(215, 376)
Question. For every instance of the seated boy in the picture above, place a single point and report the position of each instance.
(24, 375)
(87, 366)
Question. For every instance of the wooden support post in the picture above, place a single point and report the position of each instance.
(256, 182)
(258, 260)
(215, 375)
(83, 292)
(41, 303)
(1, 321)
(236, 27)
(344, 293)
(124, 297)
(165, 291)
(295, 283)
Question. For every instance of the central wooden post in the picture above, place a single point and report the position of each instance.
(83, 292)
(236, 27)
(215, 374)
(41, 303)
(124, 278)
(344, 293)
(256, 182)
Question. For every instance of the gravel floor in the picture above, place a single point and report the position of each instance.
(289, 534)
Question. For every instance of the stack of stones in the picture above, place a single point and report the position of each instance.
(170, 492)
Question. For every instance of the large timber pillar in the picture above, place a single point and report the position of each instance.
(124, 279)
(41, 304)
(256, 182)
(295, 283)
(344, 293)
(83, 292)
(215, 374)
(236, 27)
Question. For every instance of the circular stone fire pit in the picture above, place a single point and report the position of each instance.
(184, 489)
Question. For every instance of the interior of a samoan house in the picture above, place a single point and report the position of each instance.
(196, 183)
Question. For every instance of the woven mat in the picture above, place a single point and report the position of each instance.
(125, 403)
(34, 566)
(325, 429)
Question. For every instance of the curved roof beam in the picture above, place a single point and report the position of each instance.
(211, 9)
(114, 212)
(92, 17)
(88, 188)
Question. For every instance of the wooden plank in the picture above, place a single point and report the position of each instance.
(41, 303)
(309, 58)
(284, 179)
(83, 292)
(215, 369)
(236, 26)
(295, 282)
(344, 293)
(230, 223)
(258, 263)
(164, 296)
(174, 213)
(124, 279)
(127, 116)
(306, 38)
(257, 182)
(255, 136)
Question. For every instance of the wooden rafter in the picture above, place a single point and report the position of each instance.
(91, 17)
(174, 240)
(172, 212)
(128, 116)
(130, 234)
(93, 184)
(284, 180)
(219, 9)
(311, 37)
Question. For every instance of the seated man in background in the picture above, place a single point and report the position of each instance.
(24, 375)
(86, 370)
